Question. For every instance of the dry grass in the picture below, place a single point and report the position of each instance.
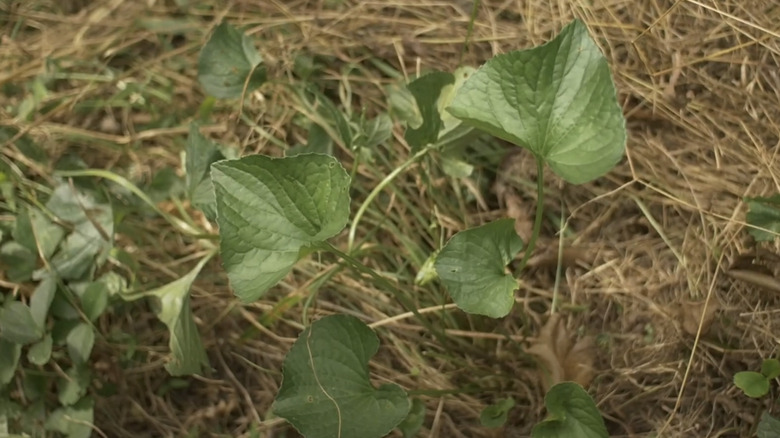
(699, 84)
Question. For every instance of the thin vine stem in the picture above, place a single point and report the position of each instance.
(378, 189)
(539, 213)
(390, 287)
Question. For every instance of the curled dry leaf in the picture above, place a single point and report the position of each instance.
(561, 356)
(746, 268)
(572, 256)
(691, 312)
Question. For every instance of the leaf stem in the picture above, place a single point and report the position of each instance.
(374, 193)
(389, 286)
(539, 213)
(559, 268)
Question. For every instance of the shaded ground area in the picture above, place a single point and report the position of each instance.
(651, 244)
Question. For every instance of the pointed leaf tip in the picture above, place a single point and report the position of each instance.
(557, 100)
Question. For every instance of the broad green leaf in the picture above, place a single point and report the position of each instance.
(73, 421)
(375, 132)
(91, 240)
(10, 353)
(228, 61)
(41, 300)
(269, 208)
(94, 299)
(73, 385)
(40, 352)
(472, 266)
(764, 213)
(753, 384)
(403, 106)
(201, 152)
(17, 261)
(495, 415)
(326, 391)
(768, 427)
(80, 341)
(770, 368)
(17, 323)
(47, 234)
(414, 419)
(557, 100)
(570, 413)
(426, 91)
(188, 355)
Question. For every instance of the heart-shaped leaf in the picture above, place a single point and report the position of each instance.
(570, 412)
(764, 213)
(228, 61)
(472, 266)
(558, 100)
(269, 208)
(326, 391)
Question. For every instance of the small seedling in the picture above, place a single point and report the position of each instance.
(755, 384)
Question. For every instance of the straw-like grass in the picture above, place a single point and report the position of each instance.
(699, 84)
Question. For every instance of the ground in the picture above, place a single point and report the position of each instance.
(652, 244)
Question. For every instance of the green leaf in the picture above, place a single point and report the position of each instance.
(414, 419)
(201, 152)
(41, 300)
(47, 234)
(764, 213)
(94, 300)
(228, 61)
(375, 132)
(472, 266)
(80, 341)
(557, 100)
(73, 385)
(10, 352)
(495, 415)
(770, 368)
(188, 355)
(17, 324)
(570, 412)
(426, 91)
(326, 391)
(753, 384)
(73, 421)
(17, 261)
(768, 427)
(269, 208)
(40, 352)
(91, 240)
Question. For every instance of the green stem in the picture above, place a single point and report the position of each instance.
(470, 30)
(539, 213)
(559, 268)
(378, 189)
(389, 286)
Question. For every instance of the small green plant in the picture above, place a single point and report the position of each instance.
(755, 384)
(557, 100)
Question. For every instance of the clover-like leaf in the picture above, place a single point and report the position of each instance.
(753, 384)
(764, 213)
(570, 412)
(17, 323)
(496, 414)
(472, 266)
(270, 208)
(770, 368)
(326, 391)
(228, 61)
(768, 427)
(558, 100)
